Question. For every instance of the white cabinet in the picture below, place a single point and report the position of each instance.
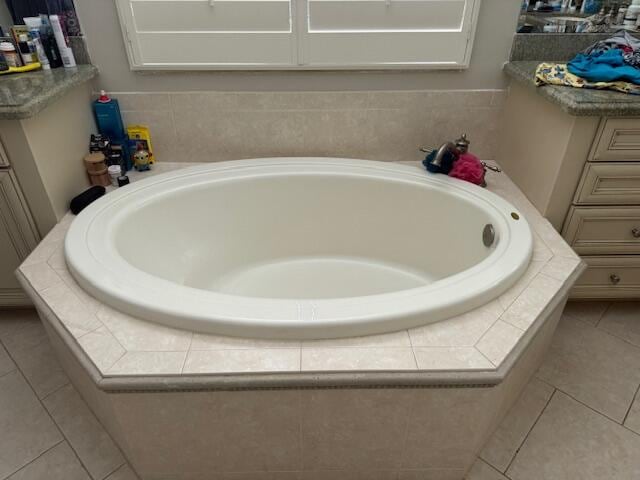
(18, 235)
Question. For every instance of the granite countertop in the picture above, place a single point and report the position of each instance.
(24, 95)
(576, 101)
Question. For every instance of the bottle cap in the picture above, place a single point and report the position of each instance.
(104, 98)
(123, 180)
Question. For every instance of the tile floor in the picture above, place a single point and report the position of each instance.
(579, 417)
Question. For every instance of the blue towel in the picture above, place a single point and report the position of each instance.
(607, 66)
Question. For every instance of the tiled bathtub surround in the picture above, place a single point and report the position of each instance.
(171, 402)
(375, 125)
(478, 341)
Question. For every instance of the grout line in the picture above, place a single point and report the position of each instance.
(626, 415)
(44, 408)
(604, 312)
(596, 411)
(487, 358)
(492, 467)
(530, 430)
(56, 390)
(186, 354)
(15, 367)
(114, 470)
(36, 458)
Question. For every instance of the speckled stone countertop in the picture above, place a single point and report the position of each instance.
(26, 94)
(577, 101)
(476, 348)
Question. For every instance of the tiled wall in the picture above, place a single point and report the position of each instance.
(386, 125)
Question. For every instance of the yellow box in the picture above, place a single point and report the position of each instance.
(140, 132)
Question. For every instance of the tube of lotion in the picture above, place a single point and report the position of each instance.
(68, 60)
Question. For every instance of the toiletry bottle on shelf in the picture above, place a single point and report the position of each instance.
(10, 54)
(66, 53)
(108, 117)
(27, 50)
(109, 121)
(631, 17)
(49, 43)
(34, 24)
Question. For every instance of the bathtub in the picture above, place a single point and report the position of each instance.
(298, 248)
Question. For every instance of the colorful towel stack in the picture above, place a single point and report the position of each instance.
(613, 64)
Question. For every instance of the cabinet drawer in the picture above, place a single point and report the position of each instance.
(609, 277)
(612, 183)
(603, 230)
(618, 140)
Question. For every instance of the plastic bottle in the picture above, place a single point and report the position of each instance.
(27, 50)
(10, 54)
(631, 17)
(66, 53)
(34, 24)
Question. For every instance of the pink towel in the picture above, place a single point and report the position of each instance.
(468, 167)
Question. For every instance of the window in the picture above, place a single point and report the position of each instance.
(298, 34)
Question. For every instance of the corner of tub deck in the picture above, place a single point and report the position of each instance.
(477, 349)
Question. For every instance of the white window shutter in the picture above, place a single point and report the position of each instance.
(197, 34)
(378, 33)
(298, 34)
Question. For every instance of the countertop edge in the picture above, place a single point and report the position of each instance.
(561, 96)
(83, 74)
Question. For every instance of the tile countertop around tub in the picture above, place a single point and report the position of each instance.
(23, 95)
(576, 101)
(121, 352)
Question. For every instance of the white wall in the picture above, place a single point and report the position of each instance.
(496, 27)
(5, 16)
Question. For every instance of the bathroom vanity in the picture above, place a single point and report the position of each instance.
(45, 121)
(575, 153)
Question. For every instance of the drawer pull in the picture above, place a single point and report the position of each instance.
(615, 279)
(635, 232)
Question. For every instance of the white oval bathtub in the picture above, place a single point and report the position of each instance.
(297, 248)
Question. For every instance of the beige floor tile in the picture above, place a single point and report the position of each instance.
(26, 431)
(593, 367)
(503, 445)
(59, 463)
(571, 441)
(622, 319)
(21, 329)
(6, 364)
(484, 471)
(41, 368)
(125, 472)
(83, 431)
(590, 312)
(633, 418)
